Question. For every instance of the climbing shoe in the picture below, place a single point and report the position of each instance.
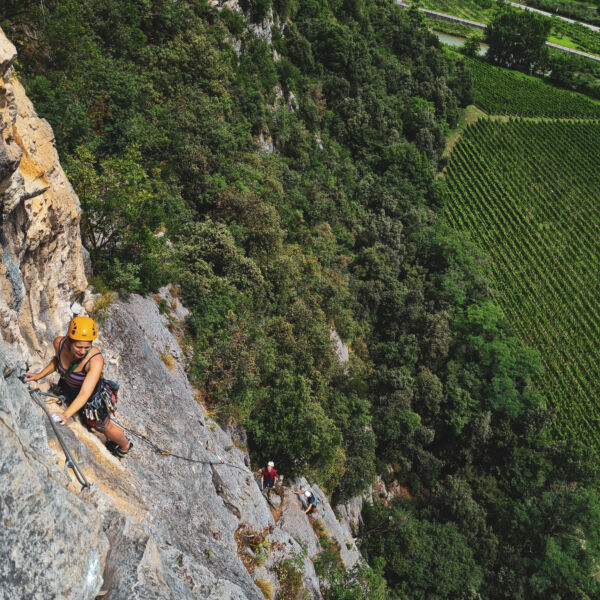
(111, 446)
(119, 453)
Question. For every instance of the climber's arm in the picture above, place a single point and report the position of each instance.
(49, 368)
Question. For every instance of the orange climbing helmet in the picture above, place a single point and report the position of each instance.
(83, 329)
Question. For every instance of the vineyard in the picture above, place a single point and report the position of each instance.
(504, 92)
(528, 192)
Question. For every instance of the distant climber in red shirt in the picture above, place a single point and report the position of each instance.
(268, 477)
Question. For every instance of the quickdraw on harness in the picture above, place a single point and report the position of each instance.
(102, 403)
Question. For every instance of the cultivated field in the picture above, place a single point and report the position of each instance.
(503, 92)
(528, 192)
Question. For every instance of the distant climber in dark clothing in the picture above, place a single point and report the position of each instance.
(80, 367)
(268, 477)
(309, 501)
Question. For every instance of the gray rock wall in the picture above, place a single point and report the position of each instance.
(52, 544)
(299, 525)
(152, 526)
(41, 271)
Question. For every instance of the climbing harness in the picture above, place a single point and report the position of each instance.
(70, 462)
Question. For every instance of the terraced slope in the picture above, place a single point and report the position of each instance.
(528, 192)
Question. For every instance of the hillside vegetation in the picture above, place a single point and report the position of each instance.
(579, 10)
(158, 109)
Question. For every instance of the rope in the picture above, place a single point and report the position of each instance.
(155, 447)
(70, 461)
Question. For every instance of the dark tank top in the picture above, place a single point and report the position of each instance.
(75, 379)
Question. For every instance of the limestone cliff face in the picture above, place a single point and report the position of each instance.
(41, 272)
(151, 526)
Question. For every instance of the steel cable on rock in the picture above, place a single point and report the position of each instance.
(71, 462)
(163, 452)
(148, 441)
(35, 394)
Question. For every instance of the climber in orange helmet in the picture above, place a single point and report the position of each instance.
(82, 384)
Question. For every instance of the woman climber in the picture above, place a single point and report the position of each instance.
(82, 384)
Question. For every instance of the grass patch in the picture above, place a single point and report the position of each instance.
(318, 528)
(265, 587)
(290, 579)
(257, 542)
(102, 305)
(168, 359)
(329, 560)
(576, 36)
(162, 304)
(562, 41)
(103, 302)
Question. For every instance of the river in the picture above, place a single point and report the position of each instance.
(455, 40)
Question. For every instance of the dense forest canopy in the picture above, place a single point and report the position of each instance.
(158, 107)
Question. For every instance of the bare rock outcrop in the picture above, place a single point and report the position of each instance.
(41, 271)
(171, 523)
(297, 524)
(350, 517)
(52, 544)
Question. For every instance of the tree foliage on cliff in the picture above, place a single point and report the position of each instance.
(157, 114)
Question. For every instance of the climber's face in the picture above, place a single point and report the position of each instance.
(79, 349)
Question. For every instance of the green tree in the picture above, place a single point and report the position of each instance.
(423, 560)
(472, 45)
(124, 211)
(517, 40)
(566, 523)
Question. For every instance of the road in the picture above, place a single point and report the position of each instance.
(452, 19)
(444, 17)
(547, 14)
